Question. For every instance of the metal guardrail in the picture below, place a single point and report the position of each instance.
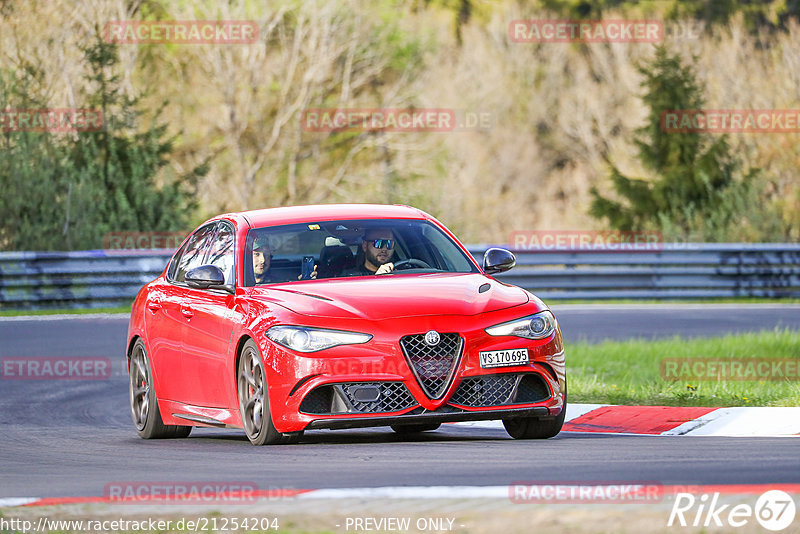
(85, 279)
(675, 270)
(97, 278)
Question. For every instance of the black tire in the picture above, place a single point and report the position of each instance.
(535, 427)
(253, 399)
(413, 429)
(142, 396)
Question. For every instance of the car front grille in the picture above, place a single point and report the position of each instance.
(433, 366)
(500, 389)
(358, 397)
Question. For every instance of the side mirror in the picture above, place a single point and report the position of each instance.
(207, 277)
(498, 260)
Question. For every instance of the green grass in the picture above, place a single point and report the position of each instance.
(70, 311)
(628, 372)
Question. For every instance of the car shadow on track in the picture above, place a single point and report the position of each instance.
(358, 436)
(385, 435)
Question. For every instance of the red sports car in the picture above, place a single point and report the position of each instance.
(289, 319)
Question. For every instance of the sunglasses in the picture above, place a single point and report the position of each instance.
(388, 244)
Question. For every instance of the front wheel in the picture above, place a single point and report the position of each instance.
(142, 396)
(253, 398)
(535, 428)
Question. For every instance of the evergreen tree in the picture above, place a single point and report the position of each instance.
(66, 191)
(695, 171)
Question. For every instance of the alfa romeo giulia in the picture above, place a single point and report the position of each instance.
(283, 320)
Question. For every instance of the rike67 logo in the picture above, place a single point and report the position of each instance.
(774, 510)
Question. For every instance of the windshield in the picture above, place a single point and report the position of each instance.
(349, 248)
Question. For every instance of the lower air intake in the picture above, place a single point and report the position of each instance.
(358, 397)
(499, 390)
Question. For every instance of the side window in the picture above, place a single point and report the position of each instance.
(194, 252)
(221, 252)
(176, 259)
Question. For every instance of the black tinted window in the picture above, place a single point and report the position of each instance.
(193, 253)
(221, 252)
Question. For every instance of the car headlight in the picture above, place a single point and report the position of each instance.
(536, 326)
(306, 339)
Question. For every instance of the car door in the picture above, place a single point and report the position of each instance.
(163, 324)
(166, 316)
(208, 330)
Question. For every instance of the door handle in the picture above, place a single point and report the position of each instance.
(187, 312)
(154, 305)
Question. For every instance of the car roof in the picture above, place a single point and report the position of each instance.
(325, 212)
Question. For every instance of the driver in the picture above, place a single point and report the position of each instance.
(377, 247)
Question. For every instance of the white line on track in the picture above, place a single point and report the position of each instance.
(65, 316)
(556, 307)
(17, 501)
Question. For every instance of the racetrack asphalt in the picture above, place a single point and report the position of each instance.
(73, 438)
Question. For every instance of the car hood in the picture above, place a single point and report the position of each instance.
(383, 297)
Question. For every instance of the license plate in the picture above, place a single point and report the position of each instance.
(503, 358)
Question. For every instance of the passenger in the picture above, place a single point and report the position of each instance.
(262, 257)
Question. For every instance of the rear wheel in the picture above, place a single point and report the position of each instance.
(535, 428)
(254, 401)
(413, 429)
(144, 406)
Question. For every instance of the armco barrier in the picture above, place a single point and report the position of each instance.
(684, 270)
(97, 278)
(85, 279)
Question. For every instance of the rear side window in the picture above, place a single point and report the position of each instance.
(221, 252)
(192, 254)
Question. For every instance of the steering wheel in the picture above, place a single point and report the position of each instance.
(411, 264)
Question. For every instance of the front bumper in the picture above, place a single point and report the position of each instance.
(294, 377)
(426, 417)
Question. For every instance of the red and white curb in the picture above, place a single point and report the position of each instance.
(675, 420)
(611, 493)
